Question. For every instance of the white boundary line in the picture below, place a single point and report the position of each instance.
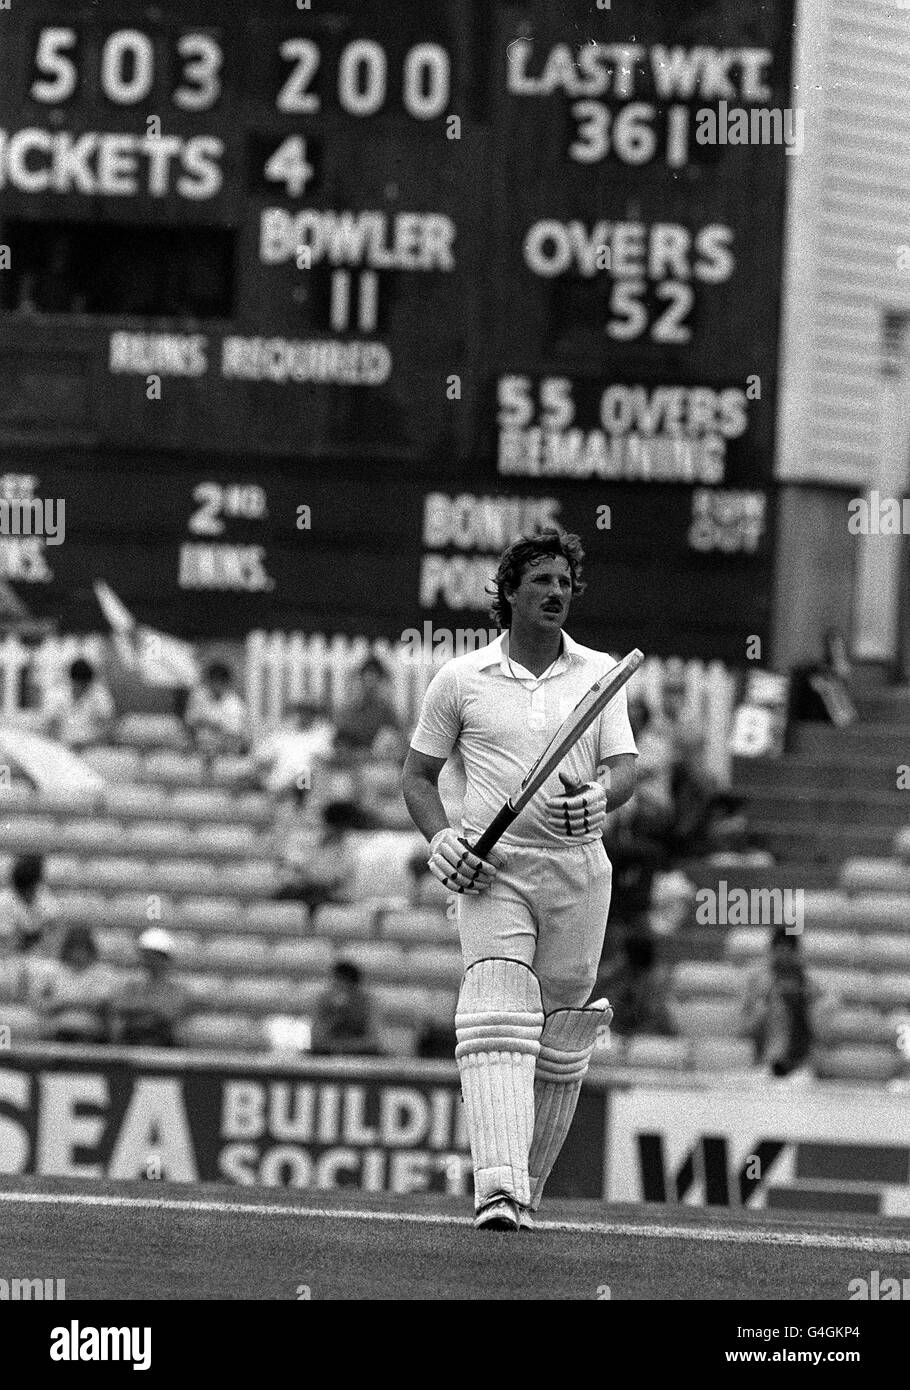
(715, 1235)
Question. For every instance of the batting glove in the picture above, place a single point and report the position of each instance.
(580, 810)
(456, 867)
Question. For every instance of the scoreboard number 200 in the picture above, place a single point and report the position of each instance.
(126, 74)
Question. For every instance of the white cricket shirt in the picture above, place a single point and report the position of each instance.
(499, 719)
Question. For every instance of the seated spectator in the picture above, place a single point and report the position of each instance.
(436, 1039)
(285, 758)
(215, 715)
(151, 1009)
(344, 1018)
(681, 800)
(82, 714)
(322, 870)
(778, 1007)
(683, 733)
(634, 837)
(651, 805)
(637, 988)
(819, 692)
(74, 998)
(369, 722)
(28, 910)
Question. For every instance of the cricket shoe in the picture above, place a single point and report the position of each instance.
(500, 1213)
(526, 1221)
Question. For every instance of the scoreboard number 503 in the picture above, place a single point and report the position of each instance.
(127, 74)
(127, 68)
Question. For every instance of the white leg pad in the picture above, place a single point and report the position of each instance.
(566, 1044)
(498, 1024)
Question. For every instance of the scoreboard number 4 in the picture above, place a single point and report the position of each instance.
(289, 165)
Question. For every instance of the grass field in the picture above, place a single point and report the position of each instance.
(126, 1241)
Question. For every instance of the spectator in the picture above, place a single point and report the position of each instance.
(637, 988)
(369, 722)
(151, 1009)
(778, 1007)
(52, 288)
(436, 1039)
(28, 911)
(285, 758)
(344, 1019)
(322, 872)
(82, 714)
(215, 715)
(693, 788)
(75, 997)
(651, 806)
(634, 836)
(820, 692)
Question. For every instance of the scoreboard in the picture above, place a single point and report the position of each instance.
(310, 306)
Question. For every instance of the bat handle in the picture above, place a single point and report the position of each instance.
(498, 826)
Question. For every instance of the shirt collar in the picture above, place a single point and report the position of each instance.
(496, 653)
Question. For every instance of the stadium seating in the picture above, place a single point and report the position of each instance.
(858, 1063)
(722, 1054)
(418, 925)
(169, 841)
(23, 1023)
(654, 1053)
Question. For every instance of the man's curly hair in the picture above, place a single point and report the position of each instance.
(522, 553)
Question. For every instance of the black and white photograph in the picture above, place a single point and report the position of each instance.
(455, 668)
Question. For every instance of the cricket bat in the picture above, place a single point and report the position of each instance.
(591, 704)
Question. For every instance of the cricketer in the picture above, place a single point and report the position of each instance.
(531, 917)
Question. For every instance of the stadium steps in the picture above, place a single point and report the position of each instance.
(790, 775)
(97, 836)
(886, 703)
(207, 806)
(119, 874)
(882, 809)
(860, 740)
(800, 873)
(827, 842)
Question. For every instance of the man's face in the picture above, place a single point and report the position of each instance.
(544, 593)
